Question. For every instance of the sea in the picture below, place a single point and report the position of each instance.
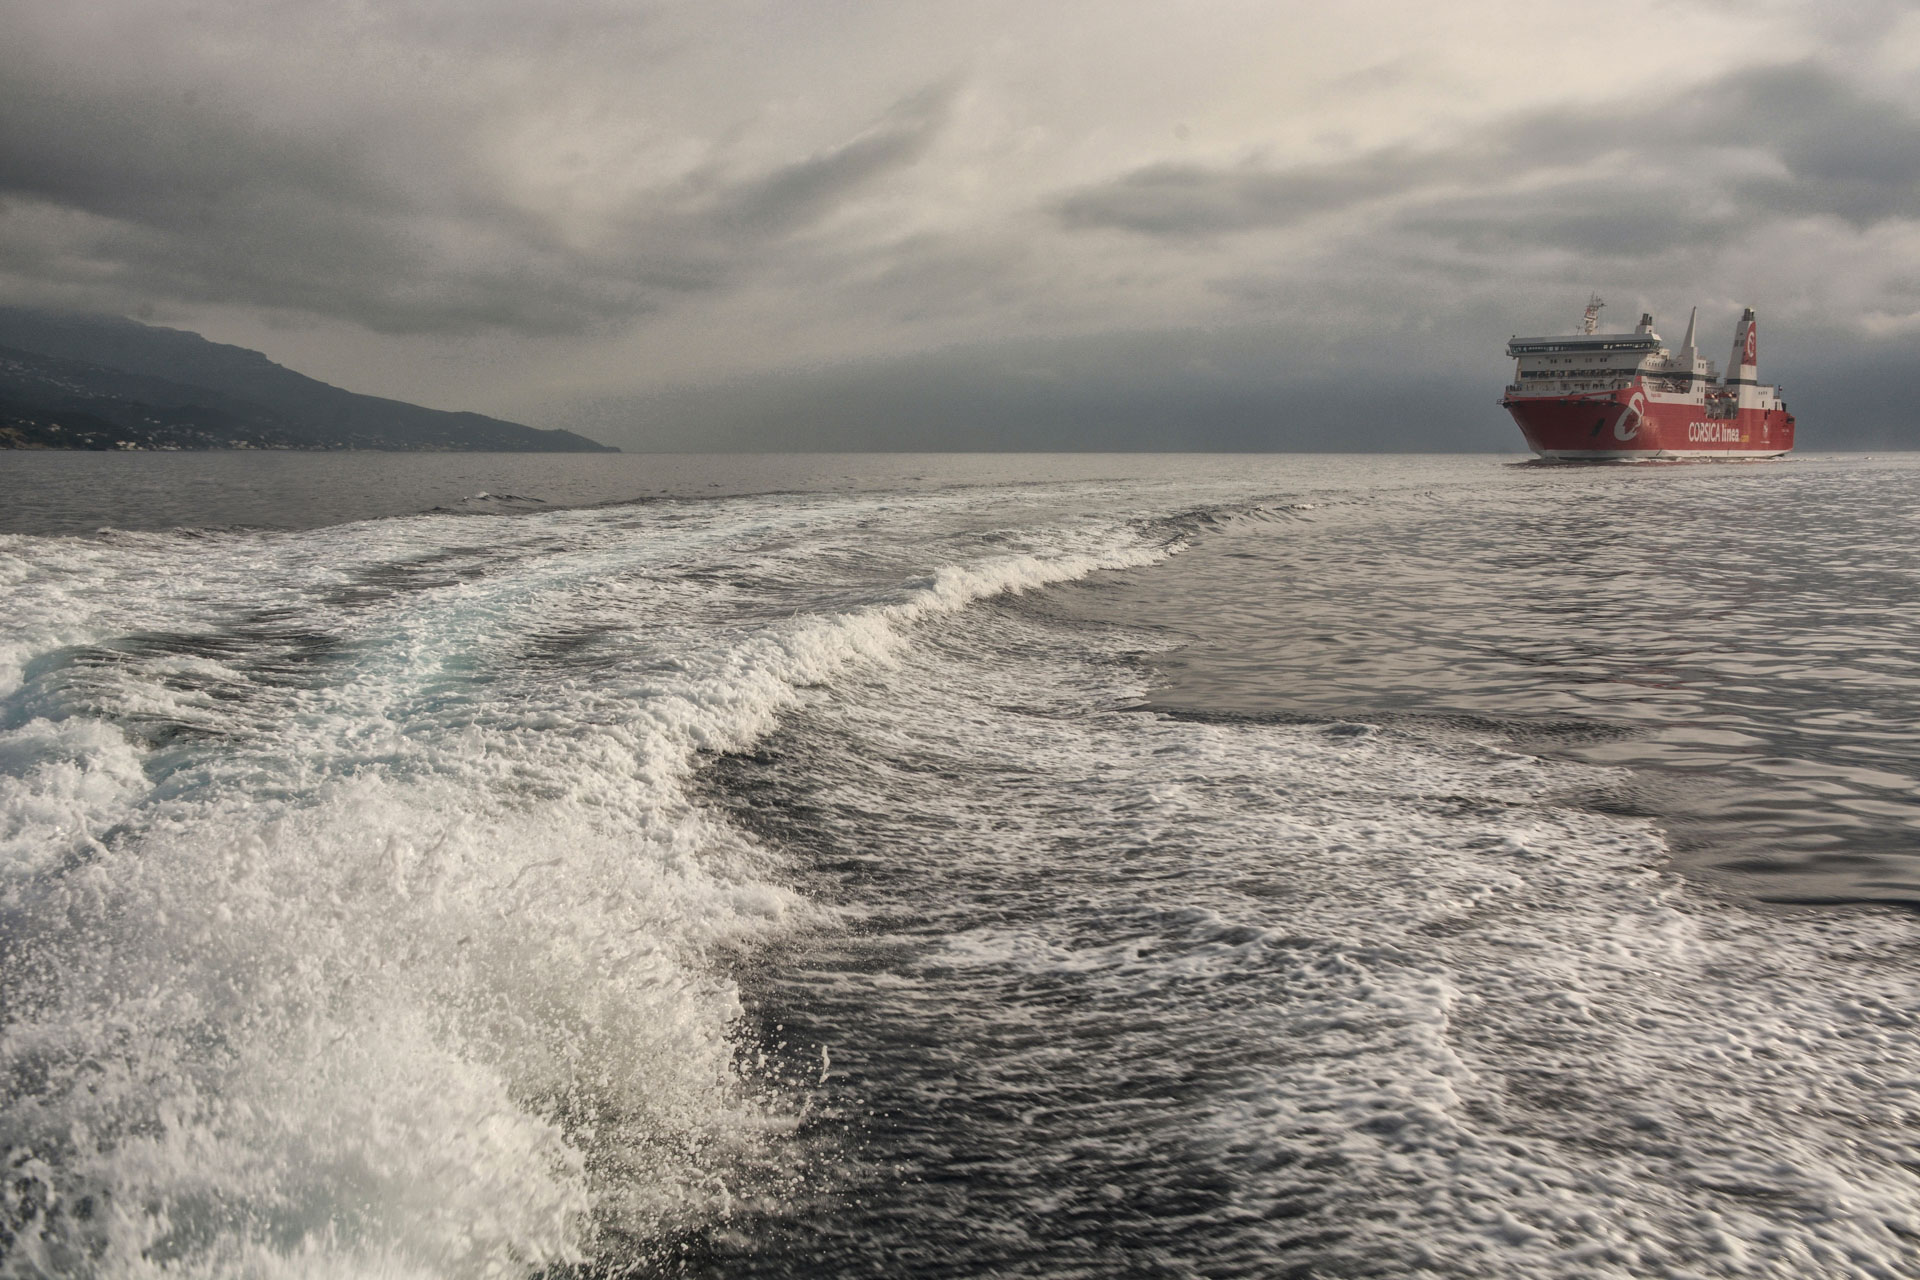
(958, 866)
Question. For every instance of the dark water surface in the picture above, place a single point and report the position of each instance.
(449, 866)
(1745, 640)
(80, 492)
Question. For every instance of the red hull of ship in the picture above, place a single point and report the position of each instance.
(1624, 426)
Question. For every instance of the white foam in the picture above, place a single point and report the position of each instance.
(385, 936)
(1473, 1031)
(354, 939)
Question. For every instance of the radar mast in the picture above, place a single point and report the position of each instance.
(1590, 323)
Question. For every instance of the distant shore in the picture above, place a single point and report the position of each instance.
(104, 438)
(97, 383)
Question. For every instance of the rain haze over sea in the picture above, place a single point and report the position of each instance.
(967, 865)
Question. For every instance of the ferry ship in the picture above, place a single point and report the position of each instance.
(1624, 397)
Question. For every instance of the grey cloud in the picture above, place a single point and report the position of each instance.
(197, 203)
(1786, 141)
(1819, 124)
(1762, 144)
(799, 193)
(1180, 200)
(1834, 151)
(1837, 150)
(1245, 388)
(186, 200)
(929, 276)
(486, 167)
(1845, 154)
(1605, 219)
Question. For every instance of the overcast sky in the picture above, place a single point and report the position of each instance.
(622, 216)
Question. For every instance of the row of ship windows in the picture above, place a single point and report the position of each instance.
(1657, 385)
(1578, 386)
(1527, 348)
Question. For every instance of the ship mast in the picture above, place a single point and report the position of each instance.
(1590, 323)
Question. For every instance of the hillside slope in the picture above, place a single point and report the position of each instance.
(63, 375)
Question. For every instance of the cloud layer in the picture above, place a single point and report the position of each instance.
(140, 191)
(538, 211)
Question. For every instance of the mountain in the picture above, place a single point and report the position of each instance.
(74, 381)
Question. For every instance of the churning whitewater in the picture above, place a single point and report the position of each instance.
(356, 911)
(804, 884)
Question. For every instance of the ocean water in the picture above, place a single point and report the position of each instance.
(989, 866)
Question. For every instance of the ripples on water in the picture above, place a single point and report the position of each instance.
(948, 878)
(1746, 640)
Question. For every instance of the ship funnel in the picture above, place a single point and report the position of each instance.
(1746, 350)
(1646, 322)
(1687, 352)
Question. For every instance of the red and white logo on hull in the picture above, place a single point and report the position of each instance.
(1627, 425)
